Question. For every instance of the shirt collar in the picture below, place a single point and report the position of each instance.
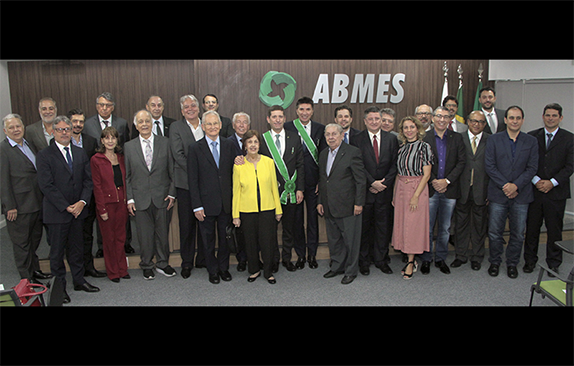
(14, 143)
(150, 138)
(552, 133)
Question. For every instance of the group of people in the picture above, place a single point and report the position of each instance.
(375, 187)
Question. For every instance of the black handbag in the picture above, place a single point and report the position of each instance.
(231, 236)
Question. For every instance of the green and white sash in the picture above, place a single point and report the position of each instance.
(289, 187)
(307, 139)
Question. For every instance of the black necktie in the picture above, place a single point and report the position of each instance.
(549, 136)
(69, 158)
(158, 129)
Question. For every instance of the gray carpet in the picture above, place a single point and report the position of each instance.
(307, 287)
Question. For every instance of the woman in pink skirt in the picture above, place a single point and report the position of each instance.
(411, 196)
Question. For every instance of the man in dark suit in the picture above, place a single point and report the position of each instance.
(39, 134)
(344, 118)
(210, 172)
(471, 211)
(89, 144)
(342, 185)
(444, 188)
(313, 141)
(284, 147)
(151, 194)
(211, 103)
(21, 197)
(511, 161)
(379, 151)
(65, 178)
(494, 117)
(183, 134)
(161, 123)
(551, 188)
(105, 105)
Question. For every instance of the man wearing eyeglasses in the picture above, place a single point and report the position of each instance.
(471, 211)
(424, 113)
(65, 179)
(105, 105)
(449, 159)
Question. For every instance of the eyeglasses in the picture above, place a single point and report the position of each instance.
(62, 129)
(423, 113)
(105, 105)
(440, 116)
(475, 121)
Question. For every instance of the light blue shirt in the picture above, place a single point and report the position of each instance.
(331, 155)
(25, 149)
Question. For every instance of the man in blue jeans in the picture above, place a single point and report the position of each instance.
(449, 159)
(511, 160)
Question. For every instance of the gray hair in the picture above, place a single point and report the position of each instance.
(389, 111)
(440, 108)
(107, 96)
(210, 112)
(49, 99)
(141, 110)
(417, 108)
(188, 96)
(239, 114)
(338, 126)
(12, 116)
(65, 119)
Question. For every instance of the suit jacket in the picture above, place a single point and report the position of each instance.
(166, 125)
(34, 134)
(146, 186)
(346, 184)
(454, 165)
(476, 162)
(318, 137)
(233, 138)
(226, 127)
(352, 132)
(60, 186)
(556, 161)
(501, 125)
(180, 140)
(386, 168)
(105, 190)
(293, 158)
(502, 168)
(18, 180)
(210, 187)
(93, 128)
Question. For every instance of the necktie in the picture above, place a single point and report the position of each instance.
(347, 137)
(376, 147)
(450, 126)
(549, 139)
(148, 154)
(473, 152)
(215, 153)
(491, 122)
(158, 129)
(278, 144)
(69, 158)
(106, 123)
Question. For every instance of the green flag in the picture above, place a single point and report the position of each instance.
(477, 106)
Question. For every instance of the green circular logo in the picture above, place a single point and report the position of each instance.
(265, 89)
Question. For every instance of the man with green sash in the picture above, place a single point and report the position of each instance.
(284, 147)
(312, 137)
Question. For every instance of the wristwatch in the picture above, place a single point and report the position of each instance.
(447, 181)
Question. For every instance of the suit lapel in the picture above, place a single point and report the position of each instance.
(340, 154)
(60, 157)
(207, 151)
(555, 140)
(19, 153)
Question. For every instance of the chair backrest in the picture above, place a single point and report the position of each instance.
(9, 298)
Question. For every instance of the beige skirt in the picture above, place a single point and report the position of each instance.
(411, 228)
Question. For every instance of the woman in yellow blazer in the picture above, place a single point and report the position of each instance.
(255, 205)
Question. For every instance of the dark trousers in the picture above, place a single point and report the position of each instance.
(376, 234)
(25, 234)
(208, 228)
(89, 235)
(552, 212)
(258, 229)
(471, 229)
(189, 234)
(288, 234)
(312, 224)
(68, 238)
(344, 236)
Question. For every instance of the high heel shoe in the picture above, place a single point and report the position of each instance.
(272, 280)
(251, 279)
(409, 276)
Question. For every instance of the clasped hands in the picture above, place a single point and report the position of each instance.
(377, 186)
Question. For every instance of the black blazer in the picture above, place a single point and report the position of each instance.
(386, 168)
(501, 125)
(19, 183)
(211, 187)
(476, 162)
(293, 158)
(62, 188)
(556, 162)
(352, 133)
(346, 184)
(454, 165)
(318, 137)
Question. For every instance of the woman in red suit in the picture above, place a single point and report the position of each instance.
(109, 177)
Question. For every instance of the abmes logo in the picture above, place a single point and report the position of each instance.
(363, 88)
(265, 88)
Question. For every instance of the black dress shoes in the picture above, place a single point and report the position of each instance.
(66, 299)
(493, 269)
(364, 270)
(253, 278)
(300, 263)
(457, 263)
(347, 279)
(185, 272)
(385, 268)
(475, 265)
(241, 266)
(214, 278)
(330, 274)
(529, 267)
(39, 275)
(512, 271)
(86, 287)
(272, 280)
(128, 248)
(94, 273)
(425, 268)
(312, 262)
(225, 276)
(290, 266)
(443, 267)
